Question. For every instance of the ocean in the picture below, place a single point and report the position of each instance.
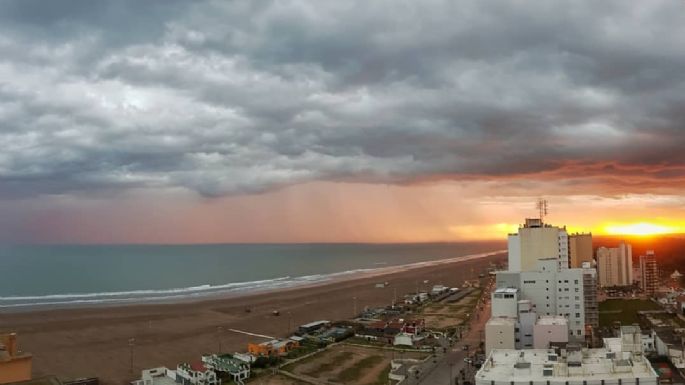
(58, 276)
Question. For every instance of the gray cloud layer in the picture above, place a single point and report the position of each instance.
(242, 96)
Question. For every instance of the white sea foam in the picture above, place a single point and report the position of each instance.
(164, 295)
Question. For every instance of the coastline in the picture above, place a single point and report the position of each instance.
(209, 292)
(93, 341)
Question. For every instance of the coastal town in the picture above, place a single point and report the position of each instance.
(553, 309)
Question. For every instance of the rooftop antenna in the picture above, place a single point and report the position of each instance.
(542, 206)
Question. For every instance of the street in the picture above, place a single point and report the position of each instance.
(450, 364)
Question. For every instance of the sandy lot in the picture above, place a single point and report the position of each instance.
(347, 364)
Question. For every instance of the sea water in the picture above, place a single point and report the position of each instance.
(50, 276)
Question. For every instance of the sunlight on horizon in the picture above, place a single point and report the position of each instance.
(642, 228)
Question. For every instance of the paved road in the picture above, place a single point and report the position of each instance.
(450, 364)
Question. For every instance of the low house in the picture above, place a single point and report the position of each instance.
(156, 376)
(403, 339)
(312, 327)
(414, 327)
(670, 344)
(273, 347)
(245, 357)
(195, 373)
(239, 370)
(439, 289)
(335, 334)
(388, 330)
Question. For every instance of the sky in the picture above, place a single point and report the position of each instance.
(338, 121)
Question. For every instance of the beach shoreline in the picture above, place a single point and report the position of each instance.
(93, 341)
(209, 292)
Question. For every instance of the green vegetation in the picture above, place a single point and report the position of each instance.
(304, 349)
(623, 311)
(355, 371)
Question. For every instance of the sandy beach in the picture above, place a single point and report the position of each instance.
(89, 342)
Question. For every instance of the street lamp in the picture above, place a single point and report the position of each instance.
(219, 330)
(131, 343)
(451, 373)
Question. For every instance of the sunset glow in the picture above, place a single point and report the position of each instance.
(641, 228)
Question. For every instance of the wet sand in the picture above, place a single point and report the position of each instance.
(76, 343)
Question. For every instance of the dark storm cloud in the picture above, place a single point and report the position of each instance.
(244, 96)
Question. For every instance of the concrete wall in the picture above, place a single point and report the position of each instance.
(499, 334)
(514, 256)
(538, 243)
(544, 334)
(504, 304)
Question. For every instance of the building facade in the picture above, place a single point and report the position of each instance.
(500, 333)
(649, 278)
(579, 249)
(549, 329)
(552, 291)
(615, 265)
(536, 240)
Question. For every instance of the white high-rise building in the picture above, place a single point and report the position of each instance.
(551, 291)
(536, 240)
(615, 265)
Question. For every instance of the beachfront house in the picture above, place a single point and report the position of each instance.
(195, 373)
(387, 330)
(238, 369)
(272, 348)
(156, 376)
(312, 327)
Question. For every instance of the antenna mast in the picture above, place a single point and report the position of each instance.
(542, 206)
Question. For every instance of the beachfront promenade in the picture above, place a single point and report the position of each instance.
(450, 364)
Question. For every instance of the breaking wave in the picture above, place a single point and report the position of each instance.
(207, 290)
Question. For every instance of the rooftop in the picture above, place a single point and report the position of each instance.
(552, 320)
(315, 324)
(501, 321)
(535, 364)
(507, 290)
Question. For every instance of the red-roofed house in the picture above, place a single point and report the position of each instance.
(195, 373)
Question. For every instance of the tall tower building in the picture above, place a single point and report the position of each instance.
(615, 265)
(579, 249)
(649, 273)
(536, 240)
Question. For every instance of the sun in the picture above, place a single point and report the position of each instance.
(641, 228)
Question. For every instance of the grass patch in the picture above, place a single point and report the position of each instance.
(339, 359)
(355, 371)
(623, 310)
